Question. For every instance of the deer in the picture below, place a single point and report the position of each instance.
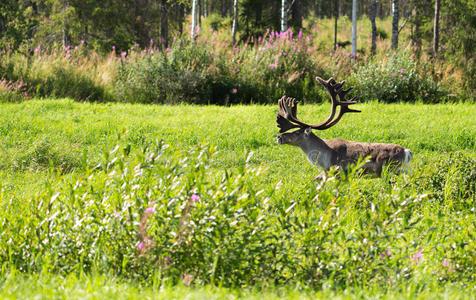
(336, 152)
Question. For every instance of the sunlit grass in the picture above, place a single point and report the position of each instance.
(51, 144)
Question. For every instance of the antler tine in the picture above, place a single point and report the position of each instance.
(287, 115)
(282, 118)
(336, 89)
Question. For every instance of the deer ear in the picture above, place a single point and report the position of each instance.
(308, 131)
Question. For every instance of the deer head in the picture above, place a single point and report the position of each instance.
(287, 115)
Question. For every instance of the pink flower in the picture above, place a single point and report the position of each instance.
(140, 245)
(151, 52)
(82, 42)
(272, 66)
(187, 279)
(429, 73)
(168, 49)
(417, 257)
(150, 210)
(195, 197)
(113, 48)
(123, 54)
(402, 70)
(446, 263)
(38, 49)
(75, 47)
(117, 214)
(385, 254)
(151, 203)
(151, 42)
(300, 34)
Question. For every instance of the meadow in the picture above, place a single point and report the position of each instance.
(133, 200)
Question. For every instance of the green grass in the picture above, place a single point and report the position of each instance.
(48, 146)
(36, 133)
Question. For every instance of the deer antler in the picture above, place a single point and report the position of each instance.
(287, 118)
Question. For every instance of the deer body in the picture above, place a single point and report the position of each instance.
(335, 152)
(342, 153)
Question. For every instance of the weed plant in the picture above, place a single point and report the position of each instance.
(209, 69)
(154, 215)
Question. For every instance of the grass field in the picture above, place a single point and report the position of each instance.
(425, 219)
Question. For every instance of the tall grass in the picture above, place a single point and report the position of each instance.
(153, 214)
(211, 70)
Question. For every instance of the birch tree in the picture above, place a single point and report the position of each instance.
(284, 16)
(436, 28)
(373, 14)
(194, 17)
(395, 24)
(354, 28)
(235, 21)
(336, 12)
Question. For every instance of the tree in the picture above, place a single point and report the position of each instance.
(296, 13)
(336, 12)
(235, 21)
(164, 24)
(395, 24)
(436, 28)
(284, 16)
(194, 17)
(373, 14)
(354, 28)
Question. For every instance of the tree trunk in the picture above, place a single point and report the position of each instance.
(65, 37)
(284, 16)
(199, 13)
(235, 21)
(164, 25)
(319, 9)
(296, 13)
(336, 12)
(395, 24)
(354, 28)
(259, 12)
(181, 17)
(436, 28)
(194, 17)
(373, 14)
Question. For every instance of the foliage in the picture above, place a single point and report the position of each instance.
(60, 73)
(397, 79)
(165, 214)
(209, 70)
(147, 213)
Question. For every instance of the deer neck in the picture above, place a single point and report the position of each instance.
(317, 151)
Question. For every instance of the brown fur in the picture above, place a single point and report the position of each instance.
(349, 152)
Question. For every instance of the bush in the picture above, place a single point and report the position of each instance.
(396, 80)
(453, 181)
(12, 91)
(164, 215)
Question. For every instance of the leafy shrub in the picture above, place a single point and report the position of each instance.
(178, 76)
(12, 91)
(453, 181)
(396, 80)
(164, 214)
